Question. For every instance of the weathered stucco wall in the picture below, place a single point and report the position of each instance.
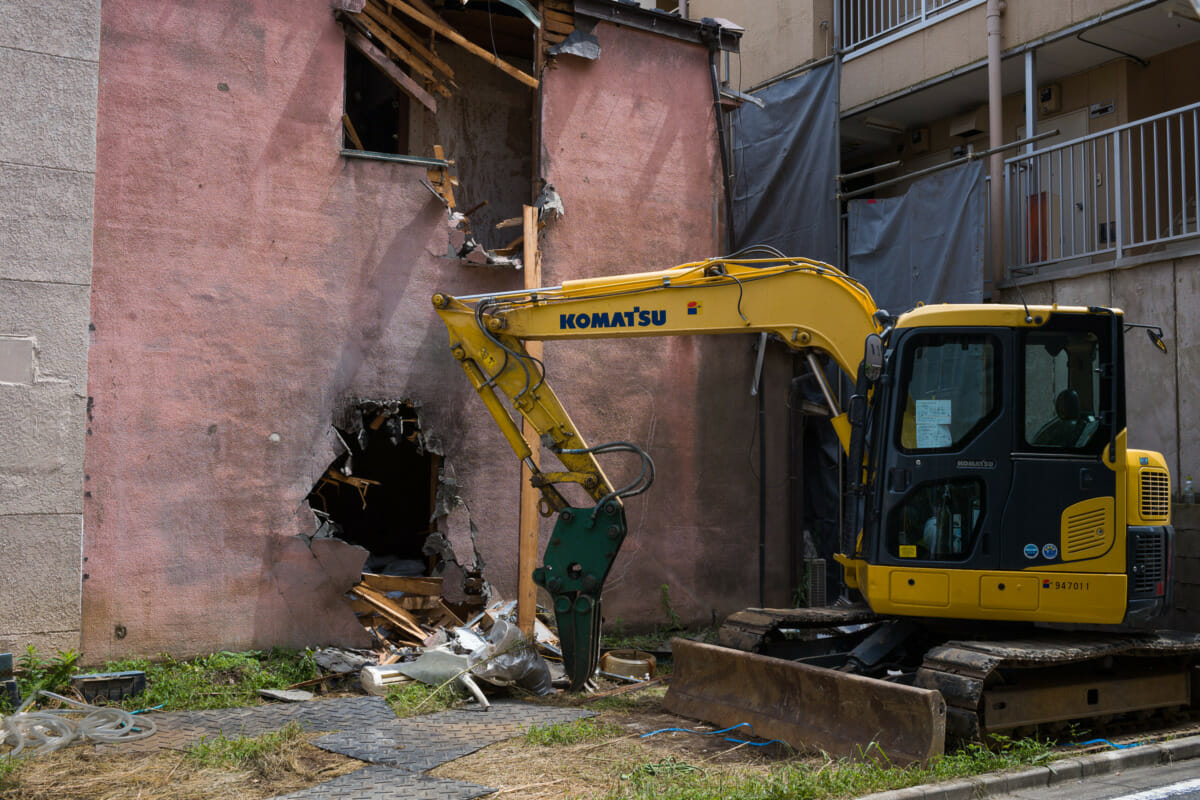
(248, 280)
(1162, 392)
(48, 64)
(634, 157)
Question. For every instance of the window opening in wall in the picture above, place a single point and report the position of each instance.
(376, 116)
(421, 75)
(379, 494)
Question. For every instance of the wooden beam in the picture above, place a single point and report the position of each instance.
(377, 12)
(395, 615)
(395, 49)
(444, 30)
(529, 517)
(428, 587)
(389, 68)
(353, 134)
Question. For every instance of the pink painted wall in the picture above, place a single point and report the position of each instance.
(248, 279)
(630, 142)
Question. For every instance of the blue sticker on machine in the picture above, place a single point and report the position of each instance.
(1031, 551)
(1144, 461)
(1050, 551)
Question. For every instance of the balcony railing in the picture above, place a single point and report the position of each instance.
(1122, 192)
(865, 22)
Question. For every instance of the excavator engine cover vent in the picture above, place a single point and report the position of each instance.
(1155, 499)
(1150, 561)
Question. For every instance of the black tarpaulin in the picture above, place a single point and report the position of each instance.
(784, 162)
(925, 246)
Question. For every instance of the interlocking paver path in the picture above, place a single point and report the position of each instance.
(397, 750)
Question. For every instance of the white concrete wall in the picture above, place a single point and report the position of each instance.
(49, 62)
(1162, 392)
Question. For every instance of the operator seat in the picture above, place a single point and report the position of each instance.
(1067, 427)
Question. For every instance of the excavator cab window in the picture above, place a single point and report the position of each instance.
(938, 520)
(1063, 399)
(950, 390)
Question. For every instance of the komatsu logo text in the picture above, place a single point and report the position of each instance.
(636, 318)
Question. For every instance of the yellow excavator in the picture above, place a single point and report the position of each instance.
(1011, 551)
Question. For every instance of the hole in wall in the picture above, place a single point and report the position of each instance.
(380, 492)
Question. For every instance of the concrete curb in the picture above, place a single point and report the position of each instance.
(1067, 769)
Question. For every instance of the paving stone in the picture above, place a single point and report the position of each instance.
(385, 783)
(421, 743)
(177, 729)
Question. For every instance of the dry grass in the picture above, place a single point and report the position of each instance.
(601, 767)
(82, 773)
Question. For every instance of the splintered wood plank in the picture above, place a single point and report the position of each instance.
(399, 51)
(389, 68)
(442, 29)
(353, 134)
(397, 583)
(558, 18)
(376, 10)
(390, 611)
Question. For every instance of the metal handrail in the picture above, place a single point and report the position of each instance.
(1133, 187)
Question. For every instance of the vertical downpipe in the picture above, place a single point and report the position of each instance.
(996, 138)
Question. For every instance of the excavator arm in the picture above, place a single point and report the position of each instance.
(810, 306)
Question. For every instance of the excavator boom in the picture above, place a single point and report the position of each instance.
(808, 305)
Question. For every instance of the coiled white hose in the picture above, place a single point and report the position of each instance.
(53, 729)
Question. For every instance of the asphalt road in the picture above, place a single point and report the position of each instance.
(1160, 782)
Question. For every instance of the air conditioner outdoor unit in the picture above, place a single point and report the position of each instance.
(968, 125)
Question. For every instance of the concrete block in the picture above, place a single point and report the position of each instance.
(1068, 769)
(962, 789)
(45, 224)
(1147, 295)
(1187, 541)
(55, 316)
(1016, 781)
(41, 449)
(69, 28)
(16, 359)
(1100, 764)
(42, 554)
(1181, 749)
(1089, 290)
(50, 105)
(1187, 359)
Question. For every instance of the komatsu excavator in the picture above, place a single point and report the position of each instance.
(1011, 550)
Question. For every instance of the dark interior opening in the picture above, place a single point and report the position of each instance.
(380, 493)
(377, 108)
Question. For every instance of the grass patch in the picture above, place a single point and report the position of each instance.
(219, 680)
(244, 752)
(411, 699)
(580, 730)
(675, 779)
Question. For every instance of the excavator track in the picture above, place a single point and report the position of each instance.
(1037, 678)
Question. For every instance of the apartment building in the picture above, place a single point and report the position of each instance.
(1092, 201)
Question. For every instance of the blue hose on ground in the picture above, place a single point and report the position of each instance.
(1107, 742)
(715, 733)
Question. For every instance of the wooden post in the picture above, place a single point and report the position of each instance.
(529, 517)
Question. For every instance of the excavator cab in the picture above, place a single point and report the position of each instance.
(997, 485)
